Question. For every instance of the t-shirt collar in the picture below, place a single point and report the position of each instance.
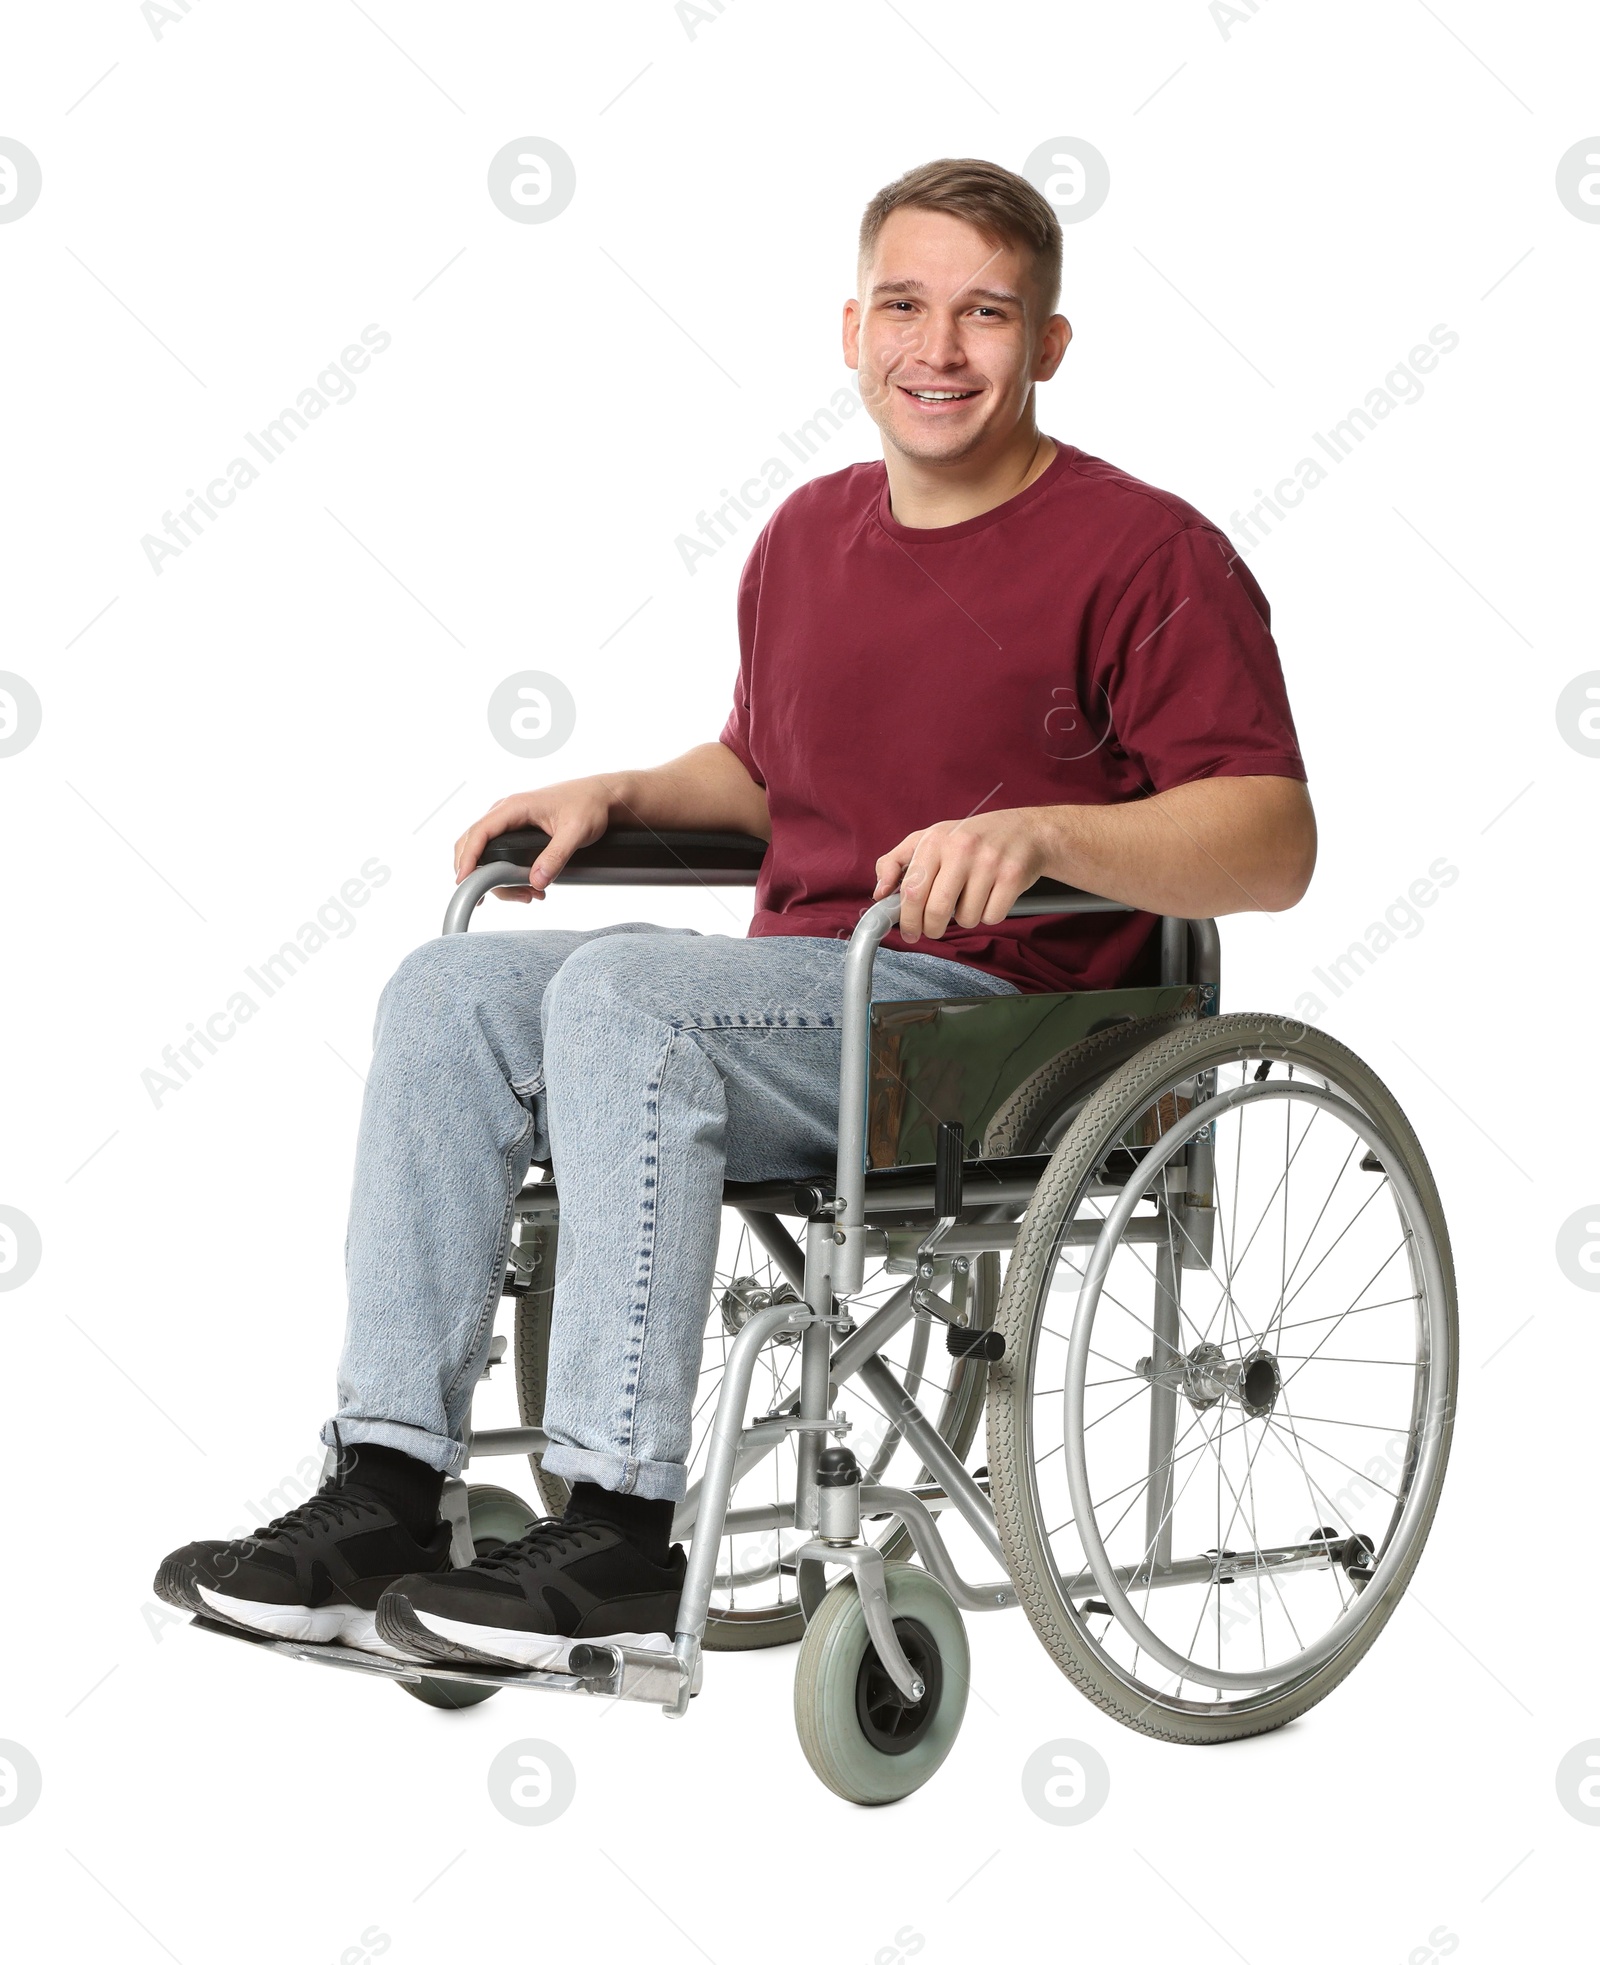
(935, 535)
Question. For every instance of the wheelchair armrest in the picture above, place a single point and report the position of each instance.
(629, 857)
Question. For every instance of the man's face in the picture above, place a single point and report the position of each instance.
(948, 337)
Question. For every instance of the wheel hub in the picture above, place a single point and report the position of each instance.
(1252, 1381)
(888, 1720)
(1207, 1375)
(745, 1295)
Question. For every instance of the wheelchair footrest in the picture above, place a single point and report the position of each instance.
(610, 1672)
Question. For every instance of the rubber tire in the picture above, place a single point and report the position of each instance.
(1194, 1047)
(492, 1512)
(446, 1694)
(1023, 1124)
(825, 1689)
(497, 1516)
(740, 1631)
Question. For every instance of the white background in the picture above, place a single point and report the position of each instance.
(1294, 204)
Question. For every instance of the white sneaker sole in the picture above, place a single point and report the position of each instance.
(332, 1623)
(533, 1651)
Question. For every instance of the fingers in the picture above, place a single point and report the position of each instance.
(962, 877)
(1010, 881)
(893, 864)
(968, 897)
(918, 879)
(572, 814)
(958, 889)
(499, 818)
(468, 847)
(565, 839)
(913, 891)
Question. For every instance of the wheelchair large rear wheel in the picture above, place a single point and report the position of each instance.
(755, 1599)
(1217, 1439)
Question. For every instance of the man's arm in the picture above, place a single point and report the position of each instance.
(1217, 846)
(707, 789)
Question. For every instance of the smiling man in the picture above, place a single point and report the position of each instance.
(989, 657)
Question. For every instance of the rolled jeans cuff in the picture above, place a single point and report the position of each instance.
(651, 1480)
(432, 1449)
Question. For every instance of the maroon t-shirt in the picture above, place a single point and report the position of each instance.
(1090, 641)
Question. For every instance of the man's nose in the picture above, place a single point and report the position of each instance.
(937, 342)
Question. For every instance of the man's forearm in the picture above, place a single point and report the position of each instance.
(1219, 846)
(706, 789)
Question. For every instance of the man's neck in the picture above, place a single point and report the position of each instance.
(925, 495)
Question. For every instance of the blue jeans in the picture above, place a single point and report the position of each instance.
(647, 1063)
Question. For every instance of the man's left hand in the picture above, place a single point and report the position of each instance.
(968, 871)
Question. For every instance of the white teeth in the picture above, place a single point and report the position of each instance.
(941, 395)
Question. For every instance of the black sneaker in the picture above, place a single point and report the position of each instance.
(176, 1581)
(315, 1574)
(528, 1604)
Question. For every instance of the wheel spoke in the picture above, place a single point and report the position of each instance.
(1339, 1320)
(1327, 1203)
(1267, 1207)
(1303, 1323)
(1367, 1203)
(1313, 1486)
(1317, 1447)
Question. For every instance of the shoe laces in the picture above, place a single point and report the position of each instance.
(550, 1535)
(329, 1509)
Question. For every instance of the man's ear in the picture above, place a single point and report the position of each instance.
(852, 333)
(1053, 345)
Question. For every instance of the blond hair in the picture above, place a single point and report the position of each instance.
(997, 203)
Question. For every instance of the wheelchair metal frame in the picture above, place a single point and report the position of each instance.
(828, 1269)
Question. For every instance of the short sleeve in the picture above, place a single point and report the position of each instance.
(1191, 672)
(737, 733)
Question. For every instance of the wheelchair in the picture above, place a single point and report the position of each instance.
(1216, 1388)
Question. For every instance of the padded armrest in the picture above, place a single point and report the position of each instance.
(628, 857)
(636, 857)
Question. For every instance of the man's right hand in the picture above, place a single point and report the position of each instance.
(574, 814)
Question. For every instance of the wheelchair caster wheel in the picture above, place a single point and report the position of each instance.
(447, 1694)
(497, 1516)
(863, 1739)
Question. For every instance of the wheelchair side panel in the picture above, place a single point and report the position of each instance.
(962, 1058)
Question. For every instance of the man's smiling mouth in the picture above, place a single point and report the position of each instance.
(938, 396)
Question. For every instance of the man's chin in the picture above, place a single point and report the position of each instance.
(930, 444)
